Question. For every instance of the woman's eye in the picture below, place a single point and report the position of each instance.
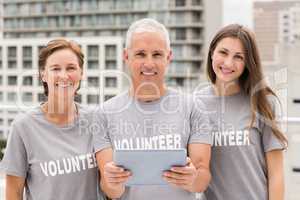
(239, 58)
(223, 52)
(71, 68)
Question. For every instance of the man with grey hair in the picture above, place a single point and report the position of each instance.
(150, 116)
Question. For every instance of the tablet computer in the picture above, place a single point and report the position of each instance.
(147, 166)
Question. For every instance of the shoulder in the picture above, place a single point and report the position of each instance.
(24, 117)
(116, 103)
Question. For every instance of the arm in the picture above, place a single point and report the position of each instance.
(14, 187)
(195, 176)
(112, 177)
(275, 174)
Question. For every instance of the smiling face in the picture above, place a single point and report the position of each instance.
(62, 74)
(228, 60)
(147, 59)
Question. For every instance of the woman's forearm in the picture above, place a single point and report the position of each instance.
(14, 188)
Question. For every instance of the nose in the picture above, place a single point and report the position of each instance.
(63, 74)
(148, 63)
(228, 61)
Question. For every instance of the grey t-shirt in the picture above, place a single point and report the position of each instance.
(171, 122)
(238, 164)
(58, 163)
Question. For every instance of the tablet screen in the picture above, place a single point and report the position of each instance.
(147, 166)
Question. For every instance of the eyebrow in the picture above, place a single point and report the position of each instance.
(139, 51)
(158, 51)
(54, 65)
(224, 49)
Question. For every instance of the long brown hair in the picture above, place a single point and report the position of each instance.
(251, 80)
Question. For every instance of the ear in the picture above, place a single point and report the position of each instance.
(125, 55)
(170, 56)
(43, 76)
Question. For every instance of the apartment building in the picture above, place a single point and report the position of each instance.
(289, 25)
(189, 22)
(1, 18)
(20, 87)
(273, 23)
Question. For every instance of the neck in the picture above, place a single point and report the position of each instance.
(63, 112)
(147, 92)
(226, 89)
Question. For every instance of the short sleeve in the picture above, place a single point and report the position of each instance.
(199, 123)
(101, 139)
(270, 141)
(15, 160)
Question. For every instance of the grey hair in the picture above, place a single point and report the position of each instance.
(146, 25)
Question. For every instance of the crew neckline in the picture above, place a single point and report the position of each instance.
(64, 126)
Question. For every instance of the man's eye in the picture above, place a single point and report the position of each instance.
(157, 55)
(140, 54)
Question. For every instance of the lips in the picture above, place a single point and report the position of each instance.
(63, 84)
(226, 70)
(148, 73)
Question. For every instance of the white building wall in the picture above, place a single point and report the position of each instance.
(100, 83)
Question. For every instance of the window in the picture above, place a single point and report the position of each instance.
(1, 121)
(111, 64)
(11, 97)
(180, 82)
(92, 99)
(1, 96)
(106, 97)
(27, 97)
(93, 81)
(27, 64)
(110, 51)
(111, 82)
(177, 51)
(93, 65)
(179, 3)
(12, 52)
(93, 51)
(27, 80)
(27, 52)
(42, 97)
(12, 80)
(1, 80)
(196, 2)
(180, 34)
(12, 64)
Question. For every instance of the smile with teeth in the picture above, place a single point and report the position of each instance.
(226, 70)
(148, 73)
(63, 85)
